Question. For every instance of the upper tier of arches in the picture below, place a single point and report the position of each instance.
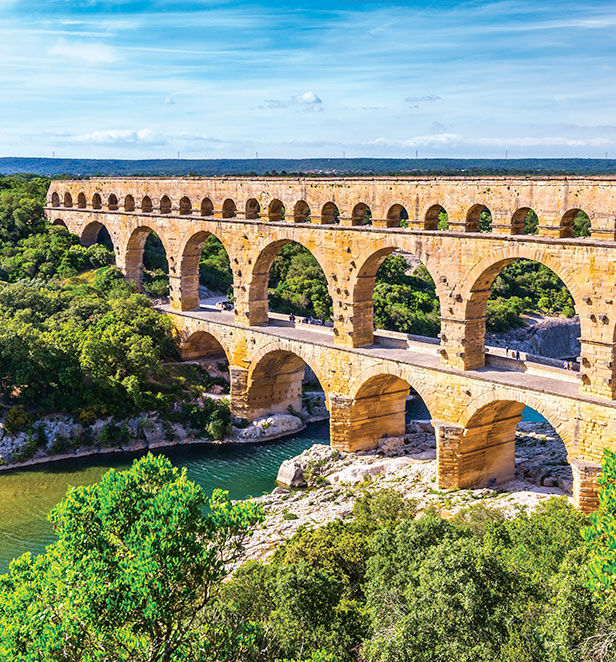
(434, 215)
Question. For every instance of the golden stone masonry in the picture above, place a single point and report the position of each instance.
(475, 400)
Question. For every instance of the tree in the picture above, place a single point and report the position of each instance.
(138, 563)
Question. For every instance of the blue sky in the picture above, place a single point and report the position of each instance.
(215, 79)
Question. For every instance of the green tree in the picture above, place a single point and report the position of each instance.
(139, 561)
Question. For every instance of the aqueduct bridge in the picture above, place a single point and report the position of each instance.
(350, 225)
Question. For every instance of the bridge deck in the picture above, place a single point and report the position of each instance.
(508, 372)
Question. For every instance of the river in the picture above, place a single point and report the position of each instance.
(27, 495)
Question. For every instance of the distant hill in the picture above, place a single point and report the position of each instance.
(220, 167)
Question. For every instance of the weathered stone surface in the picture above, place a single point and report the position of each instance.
(474, 411)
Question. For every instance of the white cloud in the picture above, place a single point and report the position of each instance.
(88, 52)
(309, 101)
(121, 137)
(428, 97)
(456, 140)
(170, 101)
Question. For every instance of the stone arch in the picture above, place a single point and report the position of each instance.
(203, 344)
(301, 212)
(89, 235)
(60, 223)
(253, 209)
(567, 226)
(395, 371)
(473, 218)
(112, 202)
(165, 205)
(185, 206)
(129, 203)
(396, 215)
(363, 282)
(190, 254)
(207, 207)
(361, 215)
(475, 291)
(377, 408)
(275, 210)
(521, 221)
(55, 199)
(81, 201)
(263, 257)
(526, 399)
(486, 447)
(431, 219)
(330, 215)
(146, 205)
(229, 209)
(274, 383)
(133, 252)
(68, 199)
(97, 203)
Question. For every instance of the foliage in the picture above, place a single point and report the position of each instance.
(396, 587)
(601, 533)
(139, 560)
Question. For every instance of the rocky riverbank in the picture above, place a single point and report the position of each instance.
(322, 484)
(61, 437)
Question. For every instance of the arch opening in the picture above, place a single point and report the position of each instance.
(330, 215)
(253, 209)
(207, 207)
(296, 283)
(60, 223)
(97, 233)
(155, 267)
(528, 312)
(276, 211)
(185, 206)
(386, 410)
(525, 221)
(146, 205)
(81, 201)
(507, 440)
(436, 218)
(229, 209)
(97, 203)
(403, 294)
(165, 205)
(361, 215)
(129, 203)
(206, 273)
(112, 202)
(55, 199)
(576, 224)
(397, 216)
(68, 199)
(301, 212)
(283, 382)
(479, 219)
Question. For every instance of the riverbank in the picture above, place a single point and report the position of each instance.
(322, 484)
(59, 438)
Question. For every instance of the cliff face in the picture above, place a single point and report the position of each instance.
(554, 337)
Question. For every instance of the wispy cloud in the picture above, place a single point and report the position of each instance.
(471, 78)
(81, 52)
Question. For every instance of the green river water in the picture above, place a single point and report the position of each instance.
(27, 495)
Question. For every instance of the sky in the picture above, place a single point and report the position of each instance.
(216, 79)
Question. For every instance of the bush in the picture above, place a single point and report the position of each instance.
(17, 419)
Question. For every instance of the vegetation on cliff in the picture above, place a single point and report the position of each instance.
(74, 335)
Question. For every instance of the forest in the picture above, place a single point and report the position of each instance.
(140, 572)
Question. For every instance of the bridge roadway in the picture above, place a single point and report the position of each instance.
(424, 353)
(474, 412)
